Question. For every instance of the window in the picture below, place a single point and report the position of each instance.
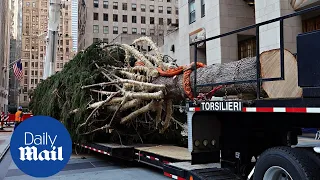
(115, 17)
(32, 64)
(105, 4)
(143, 8)
(143, 20)
(160, 9)
(33, 4)
(169, 10)
(36, 73)
(124, 6)
(192, 11)
(160, 21)
(125, 30)
(26, 81)
(25, 72)
(169, 21)
(36, 81)
(95, 28)
(41, 64)
(115, 30)
(143, 31)
(134, 30)
(25, 64)
(168, 0)
(105, 30)
(202, 8)
(36, 64)
(94, 41)
(151, 20)
(96, 3)
(40, 73)
(151, 32)
(247, 48)
(67, 42)
(25, 97)
(95, 16)
(105, 40)
(28, 4)
(115, 5)
(105, 17)
(32, 73)
(134, 19)
(152, 8)
(67, 50)
(124, 18)
(134, 7)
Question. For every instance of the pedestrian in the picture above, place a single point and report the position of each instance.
(18, 117)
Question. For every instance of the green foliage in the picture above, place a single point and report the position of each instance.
(61, 93)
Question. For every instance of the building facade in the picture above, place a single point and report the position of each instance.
(199, 19)
(5, 20)
(34, 31)
(15, 50)
(105, 20)
(74, 27)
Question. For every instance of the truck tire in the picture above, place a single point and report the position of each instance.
(286, 162)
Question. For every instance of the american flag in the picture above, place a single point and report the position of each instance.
(17, 69)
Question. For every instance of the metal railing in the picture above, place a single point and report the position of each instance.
(258, 79)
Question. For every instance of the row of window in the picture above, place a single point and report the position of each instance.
(133, 7)
(133, 19)
(33, 73)
(124, 30)
(192, 10)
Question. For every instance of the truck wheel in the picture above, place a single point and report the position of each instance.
(285, 163)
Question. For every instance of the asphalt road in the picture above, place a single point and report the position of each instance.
(87, 167)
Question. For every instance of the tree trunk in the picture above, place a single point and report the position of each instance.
(244, 69)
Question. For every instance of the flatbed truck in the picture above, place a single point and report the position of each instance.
(256, 139)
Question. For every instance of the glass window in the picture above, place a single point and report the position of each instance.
(95, 3)
(115, 30)
(152, 8)
(125, 30)
(115, 17)
(124, 18)
(192, 11)
(105, 17)
(105, 30)
(169, 10)
(134, 30)
(95, 28)
(143, 8)
(95, 16)
(160, 9)
(134, 7)
(124, 6)
(202, 8)
(151, 20)
(143, 20)
(115, 5)
(134, 19)
(143, 31)
(105, 4)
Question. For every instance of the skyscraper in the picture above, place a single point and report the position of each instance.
(34, 30)
(74, 28)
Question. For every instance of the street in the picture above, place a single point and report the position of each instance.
(94, 167)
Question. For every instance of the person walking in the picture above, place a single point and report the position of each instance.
(18, 117)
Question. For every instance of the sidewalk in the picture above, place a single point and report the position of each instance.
(5, 137)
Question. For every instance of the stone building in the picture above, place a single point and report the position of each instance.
(33, 52)
(107, 19)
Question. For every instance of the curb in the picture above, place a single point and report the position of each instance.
(4, 152)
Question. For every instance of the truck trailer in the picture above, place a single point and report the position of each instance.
(243, 139)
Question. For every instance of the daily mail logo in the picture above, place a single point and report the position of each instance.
(221, 106)
(30, 151)
(41, 146)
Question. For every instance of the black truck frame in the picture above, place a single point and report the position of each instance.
(257, 139)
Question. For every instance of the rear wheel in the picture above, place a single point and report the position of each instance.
(285, 163)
